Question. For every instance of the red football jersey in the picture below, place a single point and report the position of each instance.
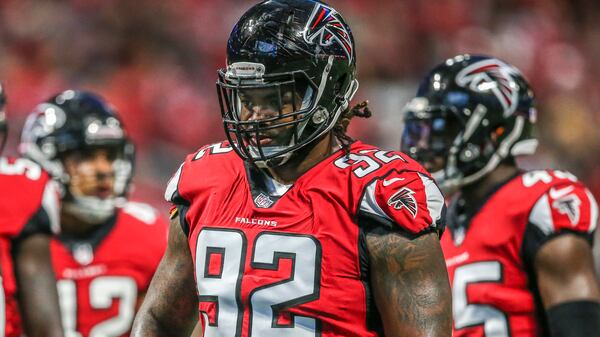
(276, 260)
(490, 258)
(100, 277)
(29, 204)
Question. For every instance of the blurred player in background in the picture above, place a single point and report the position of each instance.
(292, 228)
(29, 211)
(109, 248)
(518, 249)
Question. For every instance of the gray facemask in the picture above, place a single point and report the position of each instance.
(92, 210)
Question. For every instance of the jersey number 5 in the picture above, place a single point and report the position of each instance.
(223, 286)
(466, 315)
(21, 166)
(103, 291)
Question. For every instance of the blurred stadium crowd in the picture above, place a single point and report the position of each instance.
(156, 61)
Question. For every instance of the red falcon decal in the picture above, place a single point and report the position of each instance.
(483, 76)
(404, 199)
(325, 26)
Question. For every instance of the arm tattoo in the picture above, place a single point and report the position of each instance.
(171, 303)
(410, 285)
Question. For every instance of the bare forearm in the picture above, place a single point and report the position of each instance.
(46, 321)
(568, 286)
(565, 271)
(170, 305)
(37, 288)
(411, 285)
(152, 320)
(147, 325)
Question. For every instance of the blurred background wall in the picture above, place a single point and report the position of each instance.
(156, 61)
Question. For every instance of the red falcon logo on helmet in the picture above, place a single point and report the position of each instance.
(404, 199)
(495, 76)
(325, 25)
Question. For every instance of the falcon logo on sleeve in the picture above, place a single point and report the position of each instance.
(570, 206)
(409, 199)
(404, 199)
(565, 205)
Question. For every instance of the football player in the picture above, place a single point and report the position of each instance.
(108, 249)
(518, 249)
(291, 228)
(29, 203)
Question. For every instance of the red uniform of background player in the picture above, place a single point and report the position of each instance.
(102, 277)
(29, 210)
(108, 250)
(491, 261)
(518, 248)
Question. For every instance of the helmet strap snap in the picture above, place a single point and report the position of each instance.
(320, 116)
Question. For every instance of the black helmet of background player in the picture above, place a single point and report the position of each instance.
(3, 122)
(72, 122)
(295, 58)
(470, 114)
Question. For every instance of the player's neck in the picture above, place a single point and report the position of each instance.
(73, 226)
(479, 190)
(296, 167)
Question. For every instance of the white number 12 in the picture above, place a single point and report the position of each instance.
(103, 291)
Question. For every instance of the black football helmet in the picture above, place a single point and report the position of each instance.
(78, 121)
(470, 114)
(295, 58)
(3, 122)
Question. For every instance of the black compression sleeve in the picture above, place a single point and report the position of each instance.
(574, 319)
(182, 210)
(39, 223)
